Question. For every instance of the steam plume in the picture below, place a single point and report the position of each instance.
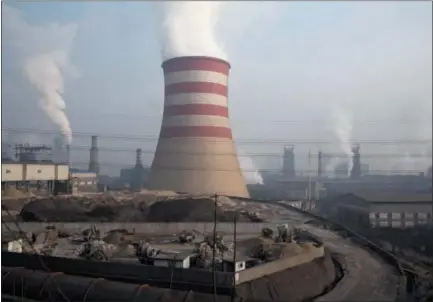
(189, 29)
(343, 127)
(44, 71)
(249, 170)
(43, 50)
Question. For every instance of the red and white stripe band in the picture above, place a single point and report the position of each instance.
(196, 98)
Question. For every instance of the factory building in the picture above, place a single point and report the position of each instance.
(53, 177)
(195, 151)
(386, 210)
(83, 181)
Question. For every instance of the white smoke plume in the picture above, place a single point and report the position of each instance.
(189, 29)
(343, 128)
(45, 72)
(249, 169)
(43, 51)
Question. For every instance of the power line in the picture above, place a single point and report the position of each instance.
(324, 155)
(179, 168)
(153, 138)
(158, 118)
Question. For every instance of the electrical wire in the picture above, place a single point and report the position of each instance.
(180, 168)
(239, 141)
(157, 118)
(324, 155)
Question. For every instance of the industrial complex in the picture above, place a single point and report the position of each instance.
(189, 228)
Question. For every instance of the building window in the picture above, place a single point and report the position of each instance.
(396, 223)
(410, 223)
(422, 215)
(422, 218)
(383, 215)
(396, 216)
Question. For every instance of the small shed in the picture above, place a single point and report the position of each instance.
(179, 260)
(239, 264)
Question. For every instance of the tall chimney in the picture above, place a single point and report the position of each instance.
(195, 151)
(138, 162)
(68, 154)
(289, 170)
(93, 162)
(319, 164)
(356, 160)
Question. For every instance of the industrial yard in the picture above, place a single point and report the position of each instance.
(203, 151)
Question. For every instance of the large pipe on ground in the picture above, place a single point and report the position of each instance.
(195, 151)
(39, 285)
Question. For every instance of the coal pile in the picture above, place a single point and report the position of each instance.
(82, 210)
(48, 210)
(110, 209)
(189, 210)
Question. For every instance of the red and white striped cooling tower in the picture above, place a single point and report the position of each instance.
(195, 152)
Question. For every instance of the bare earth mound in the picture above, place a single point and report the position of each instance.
(108, 208)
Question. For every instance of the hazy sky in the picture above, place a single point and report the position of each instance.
(300, 71)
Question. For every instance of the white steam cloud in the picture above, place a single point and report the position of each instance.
(43, 52)
(45, 72)
(189, 29)
(249, 169)
(343, 127)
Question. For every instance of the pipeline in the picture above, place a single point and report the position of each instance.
(59, 287)
(9, 298)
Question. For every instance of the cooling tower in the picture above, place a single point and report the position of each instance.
(195, 151)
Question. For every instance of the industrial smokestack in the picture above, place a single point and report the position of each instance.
(195, 151)
(93, 162)
(289, 162)
(138, 162)
(68, 154)
(356, 163)
(319, 164)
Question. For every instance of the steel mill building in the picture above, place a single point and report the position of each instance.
(195, 151)
(385, 210)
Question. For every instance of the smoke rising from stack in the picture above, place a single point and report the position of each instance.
(43, 53)
(343, 128)
(45, 72)
(189, 29)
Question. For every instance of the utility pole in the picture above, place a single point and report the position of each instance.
(234, 257)
(309, 179)
(214, 248)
